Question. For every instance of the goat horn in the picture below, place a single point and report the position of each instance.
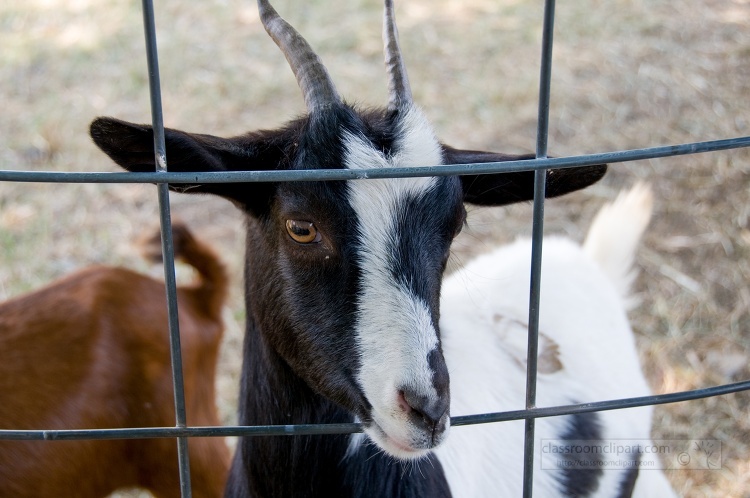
(399, 91)
(312, 77)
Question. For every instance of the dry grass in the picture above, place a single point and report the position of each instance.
(627, 74)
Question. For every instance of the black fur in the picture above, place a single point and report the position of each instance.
(392, 478)
(628, 483)
(507, 188)
(424, 230)
(580, 482)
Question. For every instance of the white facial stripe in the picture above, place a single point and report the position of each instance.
(396, 336)
(395, 333)
(417, 144)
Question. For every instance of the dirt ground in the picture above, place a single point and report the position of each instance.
(627, 74)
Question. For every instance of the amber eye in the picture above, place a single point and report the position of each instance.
(303, 232)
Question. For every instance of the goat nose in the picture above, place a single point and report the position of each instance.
(425, 412)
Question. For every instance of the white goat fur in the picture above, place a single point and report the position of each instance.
(583, 320)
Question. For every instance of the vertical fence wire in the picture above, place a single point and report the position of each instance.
(537, 236)
(160, 154)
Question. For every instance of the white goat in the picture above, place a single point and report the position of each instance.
(586, 353)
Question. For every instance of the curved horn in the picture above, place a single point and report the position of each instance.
(399, 91)
(312, 76)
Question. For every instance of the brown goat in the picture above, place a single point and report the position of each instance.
(92, 351)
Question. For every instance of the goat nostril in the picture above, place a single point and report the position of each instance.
(429, 413)
(402, 403)
(433, 416)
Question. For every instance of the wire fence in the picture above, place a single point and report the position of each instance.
(162, 178)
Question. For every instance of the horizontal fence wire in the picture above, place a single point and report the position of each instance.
(352, 428)
(376, 173)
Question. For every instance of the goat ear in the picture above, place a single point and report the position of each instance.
(507, 188)
(132, 147)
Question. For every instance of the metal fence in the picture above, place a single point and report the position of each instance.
(162, 178)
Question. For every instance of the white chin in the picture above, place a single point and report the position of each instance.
(394, 447)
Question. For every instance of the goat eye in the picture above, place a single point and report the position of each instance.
(303, 232)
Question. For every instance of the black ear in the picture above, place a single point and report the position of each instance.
(507, 188)
(132, 147)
